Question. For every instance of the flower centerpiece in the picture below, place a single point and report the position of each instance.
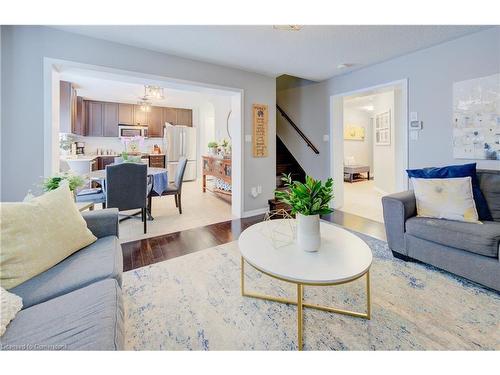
(307, 201)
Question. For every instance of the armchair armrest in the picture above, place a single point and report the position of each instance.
(397, 209)
(102, 223)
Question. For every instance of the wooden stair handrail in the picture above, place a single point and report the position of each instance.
(297, 129)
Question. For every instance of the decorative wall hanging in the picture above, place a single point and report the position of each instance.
(354, 133)
(260, 131)
(383, 129)
(476, 118)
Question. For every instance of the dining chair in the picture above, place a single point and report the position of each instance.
(175, 189)
(126, 189)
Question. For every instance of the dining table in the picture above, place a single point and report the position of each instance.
(157, 182)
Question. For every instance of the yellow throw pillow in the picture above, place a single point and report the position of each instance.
(445, 198)
(38, 234)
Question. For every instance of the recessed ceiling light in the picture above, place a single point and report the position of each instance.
(287, 27)
(368, 108)
(345, 65)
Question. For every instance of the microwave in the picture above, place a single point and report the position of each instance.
(129, 131)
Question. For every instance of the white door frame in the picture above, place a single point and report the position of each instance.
(51, 119)
(337, 135)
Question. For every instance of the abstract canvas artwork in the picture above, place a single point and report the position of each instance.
(476, 118)
(354, 133)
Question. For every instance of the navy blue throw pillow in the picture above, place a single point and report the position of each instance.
(452, 171)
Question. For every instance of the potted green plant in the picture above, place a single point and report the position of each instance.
(212, 147)
(307, 201)
(74, 182)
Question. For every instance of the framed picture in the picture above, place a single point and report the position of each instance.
(383, 129)
(354, 133)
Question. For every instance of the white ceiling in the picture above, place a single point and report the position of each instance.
(311, 53)
(114, 88)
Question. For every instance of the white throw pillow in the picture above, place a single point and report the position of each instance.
(445, 198)
(10, 305)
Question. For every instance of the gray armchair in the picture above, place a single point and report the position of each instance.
(466, 249)
(126, 188)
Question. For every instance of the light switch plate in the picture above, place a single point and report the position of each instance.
(326, 138)
(248, 138)
(413, 116)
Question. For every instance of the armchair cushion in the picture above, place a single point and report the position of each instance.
(102, 223)
(482, 239)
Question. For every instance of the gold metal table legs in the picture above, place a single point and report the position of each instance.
(300, 300)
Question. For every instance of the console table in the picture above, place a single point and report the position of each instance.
(218, 168)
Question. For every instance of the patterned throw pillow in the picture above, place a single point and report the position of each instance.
(10, 305)
(445, 198)
(38, 234)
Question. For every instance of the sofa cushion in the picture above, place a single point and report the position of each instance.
(489, 181)
(480, 239)
(90, 318)
(101, 260)
(38, 234)
(454, 171)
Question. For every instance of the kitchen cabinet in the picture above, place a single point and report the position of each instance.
(95, 118)
(67, 107)
(105, 160)
(170, 115)
(184, 117)
(157, 161)
(79, 127)
(110, 119)
(126, 114)
(140, 117)
(156, 122)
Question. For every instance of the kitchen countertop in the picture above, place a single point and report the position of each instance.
(90, 157)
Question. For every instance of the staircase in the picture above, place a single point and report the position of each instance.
(285, 163)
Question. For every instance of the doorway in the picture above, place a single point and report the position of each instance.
(370, 147)
(180, 94)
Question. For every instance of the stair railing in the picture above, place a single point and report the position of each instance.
(297, 129)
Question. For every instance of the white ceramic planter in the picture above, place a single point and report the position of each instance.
(308, 234)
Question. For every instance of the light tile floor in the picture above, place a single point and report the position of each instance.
(361, 198)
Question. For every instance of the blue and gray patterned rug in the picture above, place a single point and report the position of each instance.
(193, 302)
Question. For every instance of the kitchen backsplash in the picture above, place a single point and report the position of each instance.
(115, 144)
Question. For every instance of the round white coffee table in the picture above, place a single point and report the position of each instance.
(343, 257)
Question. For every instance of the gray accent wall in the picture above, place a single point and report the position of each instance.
(23, 50)
(431, 73)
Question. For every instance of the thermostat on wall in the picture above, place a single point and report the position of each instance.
(416, 125)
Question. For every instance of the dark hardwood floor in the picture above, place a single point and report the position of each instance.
(156, 249)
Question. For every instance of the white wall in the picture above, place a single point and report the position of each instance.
(361, 150)
(431, 73)
(23, 52)
(384, 156)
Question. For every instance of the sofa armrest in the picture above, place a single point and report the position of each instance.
(102, 223)
(397, 209)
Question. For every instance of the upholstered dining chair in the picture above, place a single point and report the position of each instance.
(175, 189)
(126, 188)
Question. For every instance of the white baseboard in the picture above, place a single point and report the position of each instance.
(258, 211)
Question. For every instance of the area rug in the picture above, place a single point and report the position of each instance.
(193, 302)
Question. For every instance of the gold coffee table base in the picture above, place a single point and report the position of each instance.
(300, 296)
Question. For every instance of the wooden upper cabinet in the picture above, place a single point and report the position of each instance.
(184, 117)
(95, 119)
(80, 125)
(170, 115)
(126, 114)
(140, 117)
(65, 107)
(110, 119)
(155, 125)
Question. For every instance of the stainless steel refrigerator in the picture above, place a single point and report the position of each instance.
(180, 141)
